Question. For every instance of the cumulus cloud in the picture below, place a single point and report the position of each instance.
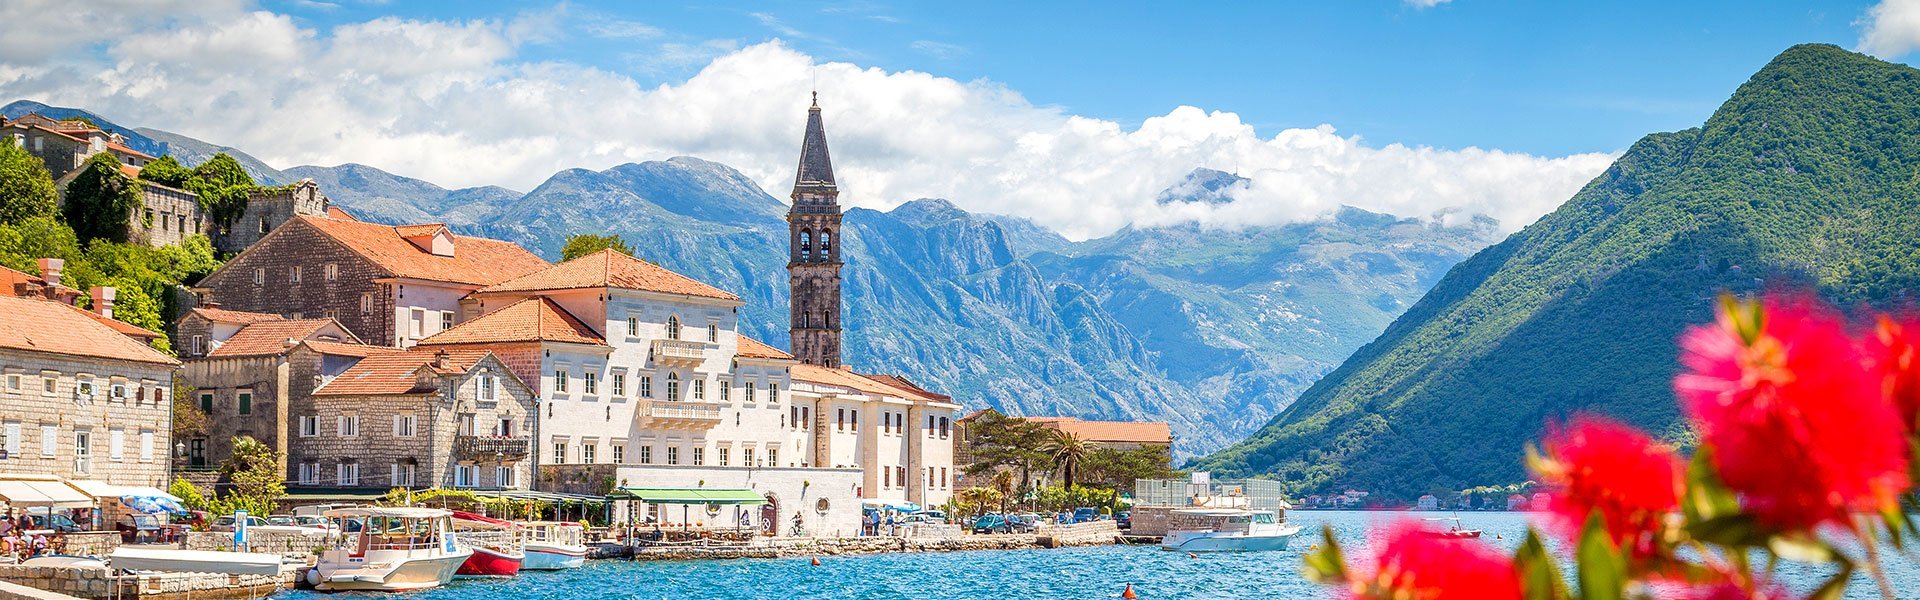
(1890, 28)
(450, 102)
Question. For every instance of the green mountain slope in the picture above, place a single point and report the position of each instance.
(1804, 178)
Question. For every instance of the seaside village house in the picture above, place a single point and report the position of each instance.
(1118, 435)
(82, 396)
(249, 372)
(168, 215)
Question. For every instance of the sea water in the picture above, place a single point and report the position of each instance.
(1095, 572)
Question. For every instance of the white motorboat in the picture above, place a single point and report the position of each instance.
(1226, 530)
(553, 545)
(390, 549)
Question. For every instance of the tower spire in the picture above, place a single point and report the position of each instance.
(813, 253)
(815, 174)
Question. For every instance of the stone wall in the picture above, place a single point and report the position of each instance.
(298, 245)
(267, 209)
(286, 544)
(170, 215)
(101, 583)
(436, 447)
(265, 378)
(31, 410)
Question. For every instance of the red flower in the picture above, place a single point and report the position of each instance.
(1415, 564)
(1729, 591)
(1797, 424)
(1599, 464)
(1894, 353)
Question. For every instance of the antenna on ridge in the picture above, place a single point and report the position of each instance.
(816, 85)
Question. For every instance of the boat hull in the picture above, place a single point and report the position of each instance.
(548, 557)
(410, 574)
(488, 562)
(1210, 542)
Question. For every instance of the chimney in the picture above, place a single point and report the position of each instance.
(103, 299)
(440, 359)
(50, 270)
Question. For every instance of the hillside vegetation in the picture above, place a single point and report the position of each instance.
(1804, 179)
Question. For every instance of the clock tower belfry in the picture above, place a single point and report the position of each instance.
(813, 256)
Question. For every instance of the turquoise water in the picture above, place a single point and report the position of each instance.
(1099, 572)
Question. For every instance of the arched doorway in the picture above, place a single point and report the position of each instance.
(770, 515)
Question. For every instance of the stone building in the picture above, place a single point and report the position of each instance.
(79, 399)
(47, 286)
(420, 418)
(813, 260)
(65, 145)
(250, 371)
(389, 285)
(167, 215)
(268, 208)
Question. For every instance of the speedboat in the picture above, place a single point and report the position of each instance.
(1453, 531)
(496, 543)
(1226, 530)
(553, 545)
(389, 549)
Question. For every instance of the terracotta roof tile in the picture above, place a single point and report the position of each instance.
(532, 319)
(418, 230)
(475, 261)
(610, 268)
(10, 278)
(269, 337)
(335, 212)
(46, 326)
(393, 373)
(1134, 432)
(849, 379)
(903, 383)
(128, 329)
(752, 348)
(349, 348)
(221, 315)
(124, 149)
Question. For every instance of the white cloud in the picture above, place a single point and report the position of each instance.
(1423, 4)
(448, 101)
(1890, 28)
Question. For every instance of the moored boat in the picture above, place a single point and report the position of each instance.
(1453, 531)
(496, 544)
(390, 549)
(1227, 530)
(552, 545)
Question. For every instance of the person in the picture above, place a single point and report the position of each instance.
(6, 525)
(39, 545)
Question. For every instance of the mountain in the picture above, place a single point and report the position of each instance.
(1204, 186)
(376, 195)
(135, 139)
(192, 152)
(1805, 178)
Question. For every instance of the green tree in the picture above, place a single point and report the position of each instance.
(167, 171)
(1118, 469)
(26, 189)
(582, 244)
(223, 186)
(1000, 442)
(39, 237)
(101, 199)
(254, 470)
(1067, 451)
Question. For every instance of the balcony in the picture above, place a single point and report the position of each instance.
(490, 448)
(667, 414)
(679, 352)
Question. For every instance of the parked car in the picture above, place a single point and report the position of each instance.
(50, 522)
(1023, 523)
(1124, 520)
(225, 523)
(1085, 514)
(303, 523)
(992, 523)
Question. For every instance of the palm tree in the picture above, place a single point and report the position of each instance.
(979, 498)
(1068, 451)
(1003, 482)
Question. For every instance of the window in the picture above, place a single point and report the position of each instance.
(746, 456)
(263, 225)
(886, 477)
(839, 419)
(943, 428)
(146, 446)
(489, 388)
(333, 271)
(773, 457)
(366, 303)
(673, 328)
(463, 424)
(246, 403)
(713, 332)
(309, 473)
(400, 474)
(853, 420)
(943, 477)
(293, 275)
(619, 454)
(417, 322)
(49, 439)
(587, 451)
(673, 386)
(590, 382)
(446, 320)
(403, 425)
(348, 425)
(646, 454)
(83, 388)
(348, 472)
(699, 456)
(560, 380)
(309, 425)
(619, 383)
(724, 451)
(12, 444)
(633, 326)
(773, 392)
(560, 452)
(504, 428)
(116, 439)
(49, 383)
(673, 455)
(699, 389)
(646, 386)
(206, 402)
(13, 382)
(726, 390)
(466, 475)
(505, 476)
(259, 275)
(806, 418)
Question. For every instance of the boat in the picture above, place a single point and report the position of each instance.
(389, 549)
(1226, 530)
(65, 560)
(1453, 531)
(496, 544)
(554, 545)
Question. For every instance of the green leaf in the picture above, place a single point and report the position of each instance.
(1603, 572)
(1707, 498)
(1326, 565)
(1740, 531)
(1539, 572)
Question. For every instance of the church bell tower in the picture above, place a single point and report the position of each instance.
(813, 256)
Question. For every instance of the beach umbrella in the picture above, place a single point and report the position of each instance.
(153, 504)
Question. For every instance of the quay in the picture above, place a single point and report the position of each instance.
(1096, 533)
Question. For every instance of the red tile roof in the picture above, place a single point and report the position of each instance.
(529, 320)
(903, 383)
(475, 261)
(349, 349)
(752, 348)
(849, 379)
(46, 326)
(610, 268)
(124, 149)
(270, 337)
(221, 315)
(393, 373)
(1123, 432)
(335, 212)
(10, 278)
(128, 329)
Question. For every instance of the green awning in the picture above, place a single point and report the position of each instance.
(688, 496)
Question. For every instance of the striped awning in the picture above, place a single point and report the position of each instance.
(688, 496)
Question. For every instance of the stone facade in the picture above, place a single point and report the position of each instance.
(813, 262)
(447, 432)
(288, 274)
(267, 209)
(273, 386)
(169, 216)
(85, 418)
(66, 145)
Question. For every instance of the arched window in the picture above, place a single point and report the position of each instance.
(826, 245)
(673, 386)
(673, 328)
(806, 245)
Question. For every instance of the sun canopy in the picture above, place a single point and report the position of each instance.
(895, 505)
(28, 490)
(102, 489)
(688, 496)
(195, 561)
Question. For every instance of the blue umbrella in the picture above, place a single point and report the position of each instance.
(153, 504)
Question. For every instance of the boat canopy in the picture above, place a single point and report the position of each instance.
(688, 496)
(41, 490)
(896, 505)
(195, 561)
(404, 512)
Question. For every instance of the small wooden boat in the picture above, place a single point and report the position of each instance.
(552, 545)
(496, 546)
(390, 549)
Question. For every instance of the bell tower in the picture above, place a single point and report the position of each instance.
(813, 256)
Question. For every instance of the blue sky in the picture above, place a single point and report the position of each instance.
(1546, 78)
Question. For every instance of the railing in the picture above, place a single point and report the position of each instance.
(679, 351)
(488, 446)
(670, 414)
